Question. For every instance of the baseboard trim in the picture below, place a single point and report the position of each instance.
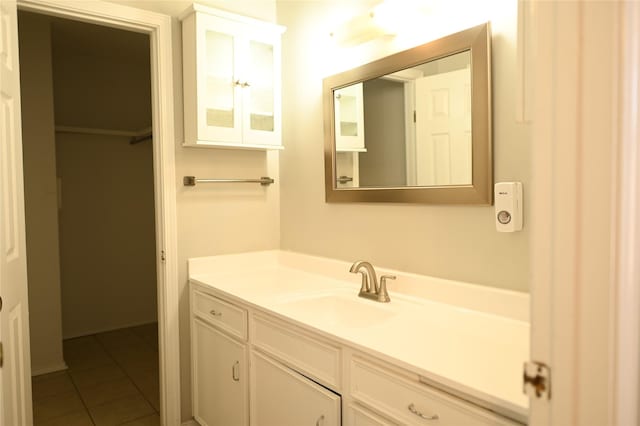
(191, 423)
(49, 369)
(106, 329)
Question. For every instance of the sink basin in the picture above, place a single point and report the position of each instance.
(338, 309)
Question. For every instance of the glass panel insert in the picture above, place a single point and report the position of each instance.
(261, 80)
(348, 115)
(219, 99)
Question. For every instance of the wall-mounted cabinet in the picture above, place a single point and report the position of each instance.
(231, 80)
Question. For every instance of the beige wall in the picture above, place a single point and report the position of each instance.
(41, 202)
(107, 234)
(101, 79)
(458, 243)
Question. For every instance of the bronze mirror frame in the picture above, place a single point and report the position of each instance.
(477, 40)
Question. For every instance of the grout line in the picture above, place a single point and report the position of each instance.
(48, 419)
(86, 408)
(126, 373)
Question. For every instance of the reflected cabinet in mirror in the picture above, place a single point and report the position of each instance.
(414, 127)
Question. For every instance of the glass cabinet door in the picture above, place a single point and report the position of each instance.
(219, 107)
(261, 76)
(260, 106)
(349, 118)
(220, 97)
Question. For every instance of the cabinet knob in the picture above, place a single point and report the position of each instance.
(413, 410)
(246, 84)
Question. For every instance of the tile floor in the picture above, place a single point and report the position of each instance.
(112, 380)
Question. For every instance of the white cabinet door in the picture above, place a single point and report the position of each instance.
(219, 95)
(220, 379)
(261, 90)
(282, 397)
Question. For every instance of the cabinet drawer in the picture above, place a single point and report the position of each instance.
(360, 416)
(414, 403)
(298, 349)
(219, 313)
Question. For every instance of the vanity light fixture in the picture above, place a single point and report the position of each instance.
(388, 18)
(360, 29)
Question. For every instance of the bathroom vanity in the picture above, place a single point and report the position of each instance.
(280, 338)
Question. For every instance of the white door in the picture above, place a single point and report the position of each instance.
(220, 379)
(443, 129)
(282, 397)
(15, 372)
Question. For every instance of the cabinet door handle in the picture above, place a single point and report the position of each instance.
(320, 420)
(413, 409)
(246, 84)
(235, 371)
(215, 313)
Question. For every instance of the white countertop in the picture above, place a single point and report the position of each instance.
(468, 339)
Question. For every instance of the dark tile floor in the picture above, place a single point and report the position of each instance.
(112, 380)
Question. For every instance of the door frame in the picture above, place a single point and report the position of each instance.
(158, 26)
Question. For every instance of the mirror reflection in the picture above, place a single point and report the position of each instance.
(407, 128)
(414, 126)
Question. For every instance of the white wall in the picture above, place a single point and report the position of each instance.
(41, 202)
(455, 242)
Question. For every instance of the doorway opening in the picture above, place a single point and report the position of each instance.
(89, 212)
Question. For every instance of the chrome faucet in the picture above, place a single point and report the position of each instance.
(370, 288)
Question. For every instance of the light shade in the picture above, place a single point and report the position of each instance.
(360, 29)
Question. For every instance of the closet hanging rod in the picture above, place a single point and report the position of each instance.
(192, 180)
(136, 136)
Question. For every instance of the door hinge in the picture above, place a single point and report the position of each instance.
(1, 355)
(163, 257)
(536, 380)
(415, 116)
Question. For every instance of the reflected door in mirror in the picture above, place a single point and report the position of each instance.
(443, 129)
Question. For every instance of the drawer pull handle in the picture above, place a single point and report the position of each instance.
(413, 409)
(235, 371)
(320, 420)
(215, 313)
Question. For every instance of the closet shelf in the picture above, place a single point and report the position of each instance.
(135, 135)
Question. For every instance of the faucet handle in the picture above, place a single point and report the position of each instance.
(383, 295)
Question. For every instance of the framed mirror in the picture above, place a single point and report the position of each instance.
(413, 127)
